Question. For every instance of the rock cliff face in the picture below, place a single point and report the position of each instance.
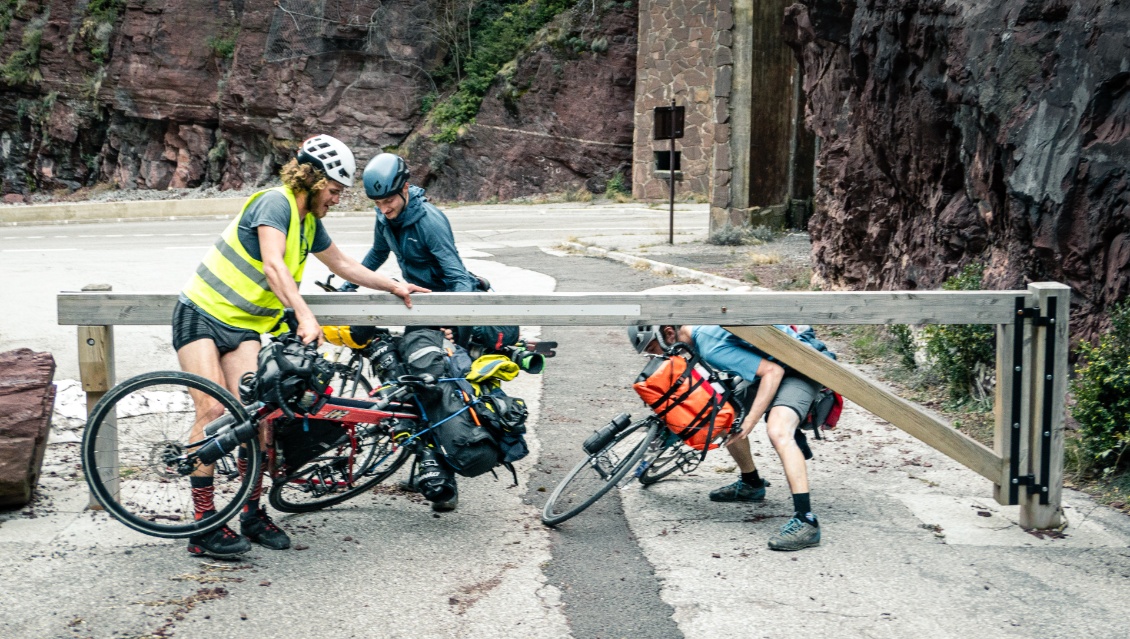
(963, 131)
(164, 94)
(559, 118)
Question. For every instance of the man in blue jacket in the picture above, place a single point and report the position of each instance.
(413, 229)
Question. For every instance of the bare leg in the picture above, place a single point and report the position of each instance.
(243, 359)
(781, 425)
(739, 450)
(202, 358)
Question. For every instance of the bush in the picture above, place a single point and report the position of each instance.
(22, 66)
(728, 236)
(615, 185)
(1102, 393)
(904, 345)
(963, 355)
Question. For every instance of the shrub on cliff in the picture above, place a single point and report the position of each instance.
(502, 29)
(963, 355)
(1102, 393)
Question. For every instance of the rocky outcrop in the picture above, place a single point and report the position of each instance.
(26, 398)
(961, 132)
(558, 118)
(161, 94)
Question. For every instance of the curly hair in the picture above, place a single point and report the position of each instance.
(303, 177)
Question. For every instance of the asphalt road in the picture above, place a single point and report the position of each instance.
(913, 544)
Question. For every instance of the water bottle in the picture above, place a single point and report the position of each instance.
(600, 438)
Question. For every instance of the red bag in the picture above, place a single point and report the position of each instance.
(686, 400)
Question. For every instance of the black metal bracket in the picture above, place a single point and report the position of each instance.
(1016, 480)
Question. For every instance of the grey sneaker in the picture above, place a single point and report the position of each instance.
(739, 491)
(794, 535)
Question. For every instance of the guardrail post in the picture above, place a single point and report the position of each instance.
(96, 371)
(1011, 405)
(1040, 507)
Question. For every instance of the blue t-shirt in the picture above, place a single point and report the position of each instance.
(725, 351)
(272, 209)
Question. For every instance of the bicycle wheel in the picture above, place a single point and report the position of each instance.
(598, 473)
(340, 473)
(665, 455)
(350, 382)
(128, 449)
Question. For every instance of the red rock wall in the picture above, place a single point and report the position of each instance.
(559, 119)
(164, 110)
(961, 132)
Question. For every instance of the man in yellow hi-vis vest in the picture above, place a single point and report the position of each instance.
(239, 292)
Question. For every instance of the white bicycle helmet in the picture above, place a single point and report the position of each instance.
(641, 336)
(331, 156)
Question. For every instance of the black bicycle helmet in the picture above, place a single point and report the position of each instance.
(331, 156)
(384, 175)
(641, 336)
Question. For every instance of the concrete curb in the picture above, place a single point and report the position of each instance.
(129, 211)
(717, 281)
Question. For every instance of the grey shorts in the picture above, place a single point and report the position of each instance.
(191, 324)
(797, 393)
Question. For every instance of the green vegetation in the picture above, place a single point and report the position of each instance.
(904, 345)
(223, 45)
(615, 185)
(22, 67)
(730, 235)
(499, 30)
(963, 354)
(1102, 395)
(98, 26)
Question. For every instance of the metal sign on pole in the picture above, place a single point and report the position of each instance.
(668, 126)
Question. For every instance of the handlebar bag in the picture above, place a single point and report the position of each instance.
(681, 394)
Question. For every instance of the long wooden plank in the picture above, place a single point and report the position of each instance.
(875, 399)
(590, 309)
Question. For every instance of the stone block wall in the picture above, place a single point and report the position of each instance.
(684, 53)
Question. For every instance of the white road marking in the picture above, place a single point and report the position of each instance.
(38, 250)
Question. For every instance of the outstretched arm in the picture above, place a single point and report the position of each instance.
(771, 375)
(347, 268)
(272, 246)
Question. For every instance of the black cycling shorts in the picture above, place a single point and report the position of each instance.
(191, 324)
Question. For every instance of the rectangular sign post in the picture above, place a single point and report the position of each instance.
(668, 126)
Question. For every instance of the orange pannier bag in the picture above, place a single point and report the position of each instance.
(683, 396)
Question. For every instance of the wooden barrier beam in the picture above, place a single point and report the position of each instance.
(96, 371)
(589, 309)
(879, 401)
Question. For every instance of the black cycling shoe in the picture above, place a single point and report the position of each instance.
(259, 528)
(222, 542)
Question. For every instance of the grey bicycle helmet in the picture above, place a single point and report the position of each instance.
(331, 156)
(641, 336)
(384, 175)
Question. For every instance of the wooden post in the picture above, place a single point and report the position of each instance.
(96, 370)
(1009, 422)
(1048, 406)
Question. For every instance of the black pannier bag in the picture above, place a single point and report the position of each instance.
(467, 444)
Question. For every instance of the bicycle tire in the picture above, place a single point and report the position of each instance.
(132, 428)
(609, 466)
(353, 386)
(295, 494)
(663, 461)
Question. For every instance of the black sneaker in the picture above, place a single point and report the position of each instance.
(739, 491)
(449, 504)
(222, 542)
(259, 528)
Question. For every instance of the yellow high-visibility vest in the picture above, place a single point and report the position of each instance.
(230, 285)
